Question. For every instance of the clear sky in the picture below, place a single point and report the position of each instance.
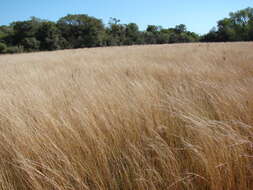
(198, 15)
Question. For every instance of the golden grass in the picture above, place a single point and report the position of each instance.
(142, 117)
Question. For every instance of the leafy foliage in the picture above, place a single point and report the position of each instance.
(15, 49)
(49, 36)
(238, 27)
(30, 44)
(81, 30)
(3, 47)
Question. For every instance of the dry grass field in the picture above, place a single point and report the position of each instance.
(156, 117)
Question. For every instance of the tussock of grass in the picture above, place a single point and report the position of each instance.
(142, 117)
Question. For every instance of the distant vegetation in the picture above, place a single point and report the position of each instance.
(238, 27)
(78, 31)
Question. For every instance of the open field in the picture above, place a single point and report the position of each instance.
(141, 117)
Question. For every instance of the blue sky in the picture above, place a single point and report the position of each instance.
(199, 15)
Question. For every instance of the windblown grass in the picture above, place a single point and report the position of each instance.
(143, 117)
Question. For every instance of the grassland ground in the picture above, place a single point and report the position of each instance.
(139, 117)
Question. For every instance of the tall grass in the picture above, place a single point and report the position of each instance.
(143, 117)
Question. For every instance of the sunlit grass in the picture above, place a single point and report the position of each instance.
(142, 117)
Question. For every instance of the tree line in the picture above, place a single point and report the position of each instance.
(237, 27)
(81, 30)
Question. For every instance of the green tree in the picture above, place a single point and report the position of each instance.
(25, 29)
(81, 30)
(30, 44)
(242, 23)
(132, 34)
(226, 30)
(238, 27)
(49, 36)
(152, 28)
(4, 32)
(151, 34)
(115, 33)
(211, 36)
(3, 48)
(15, 49)
(180, 28)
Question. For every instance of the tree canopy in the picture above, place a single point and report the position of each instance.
(237, 27)
(81, 30)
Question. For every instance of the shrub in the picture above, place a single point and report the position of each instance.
(3, 47)
(31, 44)
(15, 49)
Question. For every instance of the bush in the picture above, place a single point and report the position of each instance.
(15, 49)
(30, 44)
(3, 47)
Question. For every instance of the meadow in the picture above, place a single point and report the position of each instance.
(130, 118)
